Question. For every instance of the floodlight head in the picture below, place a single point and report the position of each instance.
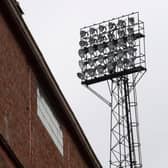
(121, 43)
(111, 36)
(102, 28)
(101, 38)
(111, 45)
(112, 49)
(83, 43)
(92, 40)
(112, 26)
(83, 34)
(130, 30)
(131, 51)
(101, 48)
(81, 52)
(82, 65)
(100, 59)
(91, 62)
(93, 31)
(90, 72)
(131, 20)
(80, 75)
(100, 69)
(121, 33)
(91, 50)
(111, 67)
(121, 23)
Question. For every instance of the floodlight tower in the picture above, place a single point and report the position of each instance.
(113, 52)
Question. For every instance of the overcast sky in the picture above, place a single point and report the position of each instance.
(55, 26)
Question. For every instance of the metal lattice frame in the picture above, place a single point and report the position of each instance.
(125, 145)
(124, 126)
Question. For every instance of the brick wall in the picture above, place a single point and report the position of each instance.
(19, 123)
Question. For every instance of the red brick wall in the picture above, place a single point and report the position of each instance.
(19, 123)
(5, 161)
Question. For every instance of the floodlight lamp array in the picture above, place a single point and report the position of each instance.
(111, 47)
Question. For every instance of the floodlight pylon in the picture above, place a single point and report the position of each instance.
(120, 68)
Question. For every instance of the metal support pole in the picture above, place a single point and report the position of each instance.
(126, 92)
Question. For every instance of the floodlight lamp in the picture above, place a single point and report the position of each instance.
(93, 31)
(102, 28)
(101, 38)
(111, 45)
(121, 33)
(111, 56)
(129, 62)
(83, 43)
(126, 61)
(121, 42)
(80, 75)
(91, 72)
(81, 53)
(131, 51)
(130, 40)
(92, 41)
(83, 34)
(112, 26)
(111, 36)
(101, 48)
(132, 61)
(121, 23)
(91, 50)
(82, 65)
(100, 59)
(91, 62)
(130, 30)
(120, 63)
(131, 20)
(111, 67)
(100, 69)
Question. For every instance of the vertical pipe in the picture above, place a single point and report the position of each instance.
(111, 111)
(126, 91)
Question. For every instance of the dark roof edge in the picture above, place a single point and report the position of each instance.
(44, 67)
(9, 152)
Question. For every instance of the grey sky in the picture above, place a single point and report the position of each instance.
(55, 26)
